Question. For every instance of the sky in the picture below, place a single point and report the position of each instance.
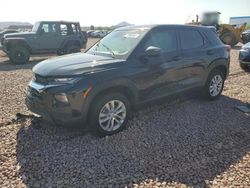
(112, 12)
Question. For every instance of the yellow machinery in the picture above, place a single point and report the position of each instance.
(229, 34)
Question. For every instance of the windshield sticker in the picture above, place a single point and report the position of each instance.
(132, 35)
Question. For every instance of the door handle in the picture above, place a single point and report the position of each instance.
(177, 58)
(210, 52)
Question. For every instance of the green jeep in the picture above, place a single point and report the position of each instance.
(46, 37)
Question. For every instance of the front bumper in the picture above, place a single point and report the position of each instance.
(40, 100)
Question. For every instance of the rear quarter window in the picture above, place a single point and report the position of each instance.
(212, 37)
(191, 39)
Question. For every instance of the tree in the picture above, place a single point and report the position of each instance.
(92, 27)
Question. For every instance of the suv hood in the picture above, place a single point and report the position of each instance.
(75, 64)
(15, 35)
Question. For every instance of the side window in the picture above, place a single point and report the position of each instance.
(74, 28)
(63, 29)
(162, 38)
(48, 28)
(52, 27)
(190, 39)
(45, 28)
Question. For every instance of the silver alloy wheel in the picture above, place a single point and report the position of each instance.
(112, 115)
(216, 85)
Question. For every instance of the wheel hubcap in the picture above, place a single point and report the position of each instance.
(112, 115)
(215, 85)
(19, 55)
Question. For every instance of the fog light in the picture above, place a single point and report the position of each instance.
(62, 97)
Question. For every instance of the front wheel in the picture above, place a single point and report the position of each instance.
(109, 114)
(19, 55)
(214, 85)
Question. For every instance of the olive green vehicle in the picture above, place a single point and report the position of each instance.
(46, 37)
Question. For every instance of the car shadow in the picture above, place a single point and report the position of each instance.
(236, 47)
(8, 66)
(187, 141)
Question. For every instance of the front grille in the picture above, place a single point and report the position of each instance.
(33, 93)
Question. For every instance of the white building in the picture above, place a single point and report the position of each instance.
(240, 20)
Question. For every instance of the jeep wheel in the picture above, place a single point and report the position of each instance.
(214, 85)
(73, 49)
(229, 38)
(19, 55)
(109, 114)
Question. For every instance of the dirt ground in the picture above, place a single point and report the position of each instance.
(185, 142)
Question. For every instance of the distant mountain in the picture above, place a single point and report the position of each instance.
(122, 24)
(4, 25)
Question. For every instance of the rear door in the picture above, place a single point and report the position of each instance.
(194, 56)
(70, 32)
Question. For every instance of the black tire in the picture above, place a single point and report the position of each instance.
(99, 106)
(244, 67)
(229, 38)
(207, 94)
(73, 49)
(245, 38)
(19, 54)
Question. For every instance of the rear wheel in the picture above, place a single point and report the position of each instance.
(19, 55)
(229, 38)
(109, 114)
(214, 85)
(244, 67)
(73, 49)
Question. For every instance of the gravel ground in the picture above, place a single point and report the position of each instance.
(185, 142)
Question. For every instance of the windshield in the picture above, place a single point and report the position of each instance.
(118, 44)
(35, 27)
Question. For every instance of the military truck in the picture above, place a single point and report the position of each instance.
(46, 37)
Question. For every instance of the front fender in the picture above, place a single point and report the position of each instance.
(98, 88)
(9, 42)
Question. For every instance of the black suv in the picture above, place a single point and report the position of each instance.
(128, 67)
(46, 37)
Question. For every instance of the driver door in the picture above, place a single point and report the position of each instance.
(48, 37)
(160, 76)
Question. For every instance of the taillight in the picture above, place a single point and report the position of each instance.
(227, 47)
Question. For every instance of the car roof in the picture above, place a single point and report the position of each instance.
(67, 22)
(148, 27)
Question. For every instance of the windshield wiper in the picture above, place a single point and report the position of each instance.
(111, 51)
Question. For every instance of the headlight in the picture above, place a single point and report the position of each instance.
(244, 52)
(66, 80)
(63, 79)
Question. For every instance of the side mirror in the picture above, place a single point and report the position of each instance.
(152, 51)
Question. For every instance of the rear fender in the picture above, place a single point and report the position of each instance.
(217, 63)
(67, 43)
